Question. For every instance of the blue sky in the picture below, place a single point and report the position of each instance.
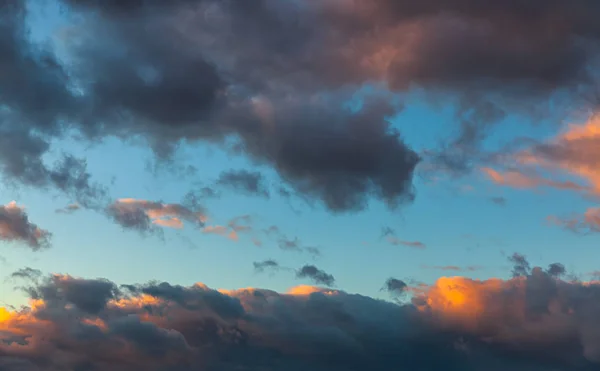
(453, 217)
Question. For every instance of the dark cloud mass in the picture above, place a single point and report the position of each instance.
(211, 70)
(531, 323)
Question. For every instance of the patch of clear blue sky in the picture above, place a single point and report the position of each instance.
(457, 223)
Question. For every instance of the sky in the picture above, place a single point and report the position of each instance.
(281, 185)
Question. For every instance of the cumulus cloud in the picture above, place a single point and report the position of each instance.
(533, 322)
(15, 226)
(145, 216)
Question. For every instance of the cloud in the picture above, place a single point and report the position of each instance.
(249, 182)
(589, 222)
(519, 179)
(398, 242)
(144, 215)
(235, 227)
(500, 201)
(454, 268)
(317, 275)
(69, 209)
(213, 71)
(534, 322)
(221, 231)
(268, 264)
(15, 226)
(395, 286)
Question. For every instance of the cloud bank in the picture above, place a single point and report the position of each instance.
(534, 322)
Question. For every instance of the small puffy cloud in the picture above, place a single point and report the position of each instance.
(315, 274)
(15, 226)
(144, 215)
(395, 287)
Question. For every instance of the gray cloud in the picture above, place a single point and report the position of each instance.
(15, 226)
(395, 286)
(317, 275)
(264, 265)
(500, 201)
(250, 182)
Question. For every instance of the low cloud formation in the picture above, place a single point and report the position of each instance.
(15, 226)
(533, 322)
(244, 181)
(315, 274)
(145, 216)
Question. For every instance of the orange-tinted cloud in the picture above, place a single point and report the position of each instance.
(523, 180)
(588, 222)
(575, 153)
(517, 323)
(143, 215)
(15, 226)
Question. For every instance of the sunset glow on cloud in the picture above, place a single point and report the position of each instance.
(268, 185)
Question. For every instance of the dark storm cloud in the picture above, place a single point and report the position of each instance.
(249, 182)
(15, 226)
(315, 274)
(533, 323)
